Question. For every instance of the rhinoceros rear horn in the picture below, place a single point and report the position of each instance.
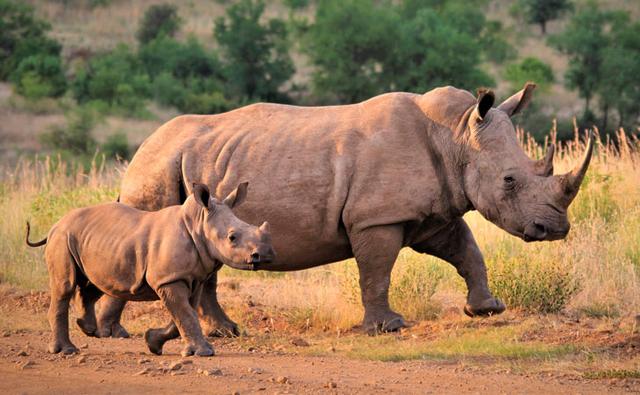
(544, 166)
(570, 182)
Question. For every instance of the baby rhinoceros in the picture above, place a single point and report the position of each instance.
(138, 255)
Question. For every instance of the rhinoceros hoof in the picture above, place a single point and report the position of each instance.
(223, 329)
(204, 350)
(155, 340)
(67, 349)
(118, 331)
(392, 324)
(487, 307)
(86, 328)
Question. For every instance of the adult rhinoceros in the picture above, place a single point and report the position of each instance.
(363, 181)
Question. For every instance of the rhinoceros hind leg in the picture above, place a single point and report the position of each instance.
(109, 312)
(215, 321)
(376, 250)
(87, 297)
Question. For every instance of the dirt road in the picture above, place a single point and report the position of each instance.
(124, 366)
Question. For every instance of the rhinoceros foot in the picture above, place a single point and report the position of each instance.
(114, 330)
(87, 328)
(487, 307)
(221, 328)
(66, 348)
(389, 322)
(202, 350)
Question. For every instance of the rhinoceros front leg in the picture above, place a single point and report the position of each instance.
(376, 250)
(214, 320)
(456, 245)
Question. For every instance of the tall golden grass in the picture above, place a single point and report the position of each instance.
(595, 271)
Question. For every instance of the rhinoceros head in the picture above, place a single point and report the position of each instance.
(520, 195)
(231, 240)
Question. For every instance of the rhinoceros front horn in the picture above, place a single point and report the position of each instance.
(570, 182)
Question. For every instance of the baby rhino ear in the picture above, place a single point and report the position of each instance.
(201, 194)
(236, 196)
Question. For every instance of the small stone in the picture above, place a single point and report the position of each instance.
(251, 349)
(84, 345)
(300, 342)
(186, 361)
(6, 334)
(331, 349)
(331, 384)
(235, 393)
(212, 372)
(143, 372)
(175, 366)
(26, 364)
(142, 361)
(177, 373)
(282, 379)
(255, 370)
(23, 353)
(82, 359)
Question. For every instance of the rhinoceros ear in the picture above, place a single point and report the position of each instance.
(236, 196)
(201, 194)
(519, 101)
(484, 104)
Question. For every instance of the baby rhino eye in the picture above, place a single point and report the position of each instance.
(509, 180)
(232, 237)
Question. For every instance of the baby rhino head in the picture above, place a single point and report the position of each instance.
(229, 239)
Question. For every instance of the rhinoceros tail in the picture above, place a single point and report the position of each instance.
(37, 243)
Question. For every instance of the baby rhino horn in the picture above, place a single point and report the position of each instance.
(264, 227)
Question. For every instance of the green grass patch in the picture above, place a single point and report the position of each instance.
(613, 374)
(495, 343)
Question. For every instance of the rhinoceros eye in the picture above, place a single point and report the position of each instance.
(232, 237)
(509, 182)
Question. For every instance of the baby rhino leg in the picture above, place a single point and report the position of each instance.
(180, 302)
(62, 283)
(156, 337)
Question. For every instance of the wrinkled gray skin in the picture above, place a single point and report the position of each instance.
(132, 254)
(363, 181)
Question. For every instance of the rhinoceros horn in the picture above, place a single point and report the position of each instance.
(570, 182)
(545, 165)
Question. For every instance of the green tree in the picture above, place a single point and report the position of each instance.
(28, 57)
(584, 40)
(349, 44)
(619, 86)
(543, 11)
(256, 54)
(76, 136)
(158, 20)
(529, 69)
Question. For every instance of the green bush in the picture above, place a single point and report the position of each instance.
(529, 69)
(117, 146)
(39, 76)
(76, 136)
(205, 103)
(159, 20)
(115, 78)
(536, 286)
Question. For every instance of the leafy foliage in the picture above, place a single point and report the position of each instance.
(27, 57)
(160, 20)
(116, 146)
(529, 69)
(257, 57)
(115, 78)
(76, 136)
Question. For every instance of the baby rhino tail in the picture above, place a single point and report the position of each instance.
(37, 243)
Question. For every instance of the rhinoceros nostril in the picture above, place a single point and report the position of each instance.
(255, 257)
(541, 230)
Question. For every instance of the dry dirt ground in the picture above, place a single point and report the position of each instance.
(124, 366)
